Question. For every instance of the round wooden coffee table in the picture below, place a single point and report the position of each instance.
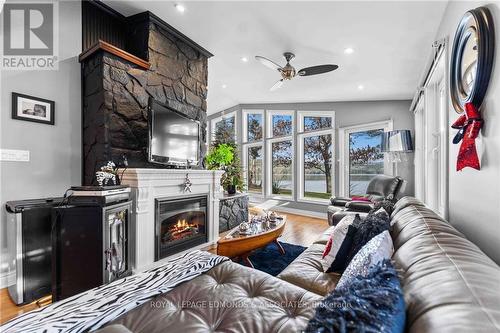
(237, 245)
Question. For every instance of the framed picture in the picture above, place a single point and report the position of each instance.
(32, 108)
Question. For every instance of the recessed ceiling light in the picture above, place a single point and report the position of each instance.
(180, 8)
(349, 50)
(224, 86)
(361, 87)
(244, 59)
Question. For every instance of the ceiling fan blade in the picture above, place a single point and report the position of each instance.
(277, 85)
(317, 70)
(268, 63)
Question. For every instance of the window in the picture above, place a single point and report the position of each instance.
(254, 169)
(318, 151)
(253, 125)
(313, 123)
(365, 159)
(362, 157)
(316, 155)
(280, 123)
(282, 165)
(282, 168)
(224, 129)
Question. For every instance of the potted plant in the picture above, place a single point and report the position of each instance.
(231, 188)
(223, 156)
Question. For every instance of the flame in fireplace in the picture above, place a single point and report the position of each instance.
(181, 224)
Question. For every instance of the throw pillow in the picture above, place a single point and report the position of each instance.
(377, 249)
(372, 225)
(374, 303)
(335, 242)
(360, 198)
(387, 204)
(381, 212)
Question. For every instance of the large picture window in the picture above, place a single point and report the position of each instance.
(282, 168)
(316, 138)
(318, 152)
(254, 169)
(289, 154)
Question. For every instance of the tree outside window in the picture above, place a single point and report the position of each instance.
(254, 127)
(365, 159)
(282, 155)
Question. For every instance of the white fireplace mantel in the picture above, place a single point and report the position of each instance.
(150, 184)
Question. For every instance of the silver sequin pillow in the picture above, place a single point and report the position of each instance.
(377, 249)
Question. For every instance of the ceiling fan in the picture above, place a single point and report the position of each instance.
(288, 72)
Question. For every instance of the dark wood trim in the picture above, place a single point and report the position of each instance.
(99, 4)
(150, 17)
(103, 46)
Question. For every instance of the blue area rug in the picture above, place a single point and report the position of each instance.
(270, 260)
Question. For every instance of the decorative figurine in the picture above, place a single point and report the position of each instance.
(244, 227)
(273, 217)
(107, 173)
(187, 184)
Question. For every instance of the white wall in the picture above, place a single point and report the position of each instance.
(55, 151)
(474, 196)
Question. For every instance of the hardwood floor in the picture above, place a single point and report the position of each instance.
(9, 310)
(299, 230)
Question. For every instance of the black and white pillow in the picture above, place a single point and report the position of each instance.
(339, 244)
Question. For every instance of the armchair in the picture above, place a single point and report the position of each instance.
(379, 188)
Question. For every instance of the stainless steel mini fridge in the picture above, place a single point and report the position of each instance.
(30, 247)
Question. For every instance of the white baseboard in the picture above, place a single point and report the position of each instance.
(308, 213)
(7, 279)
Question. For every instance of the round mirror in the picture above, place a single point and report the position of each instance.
(468, 63)
(471, 58)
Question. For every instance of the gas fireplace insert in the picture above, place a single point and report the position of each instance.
(181, 223)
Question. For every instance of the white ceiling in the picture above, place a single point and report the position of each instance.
(392, 41)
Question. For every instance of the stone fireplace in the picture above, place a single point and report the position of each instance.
(159, 62)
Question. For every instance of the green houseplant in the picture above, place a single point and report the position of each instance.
(223, 156)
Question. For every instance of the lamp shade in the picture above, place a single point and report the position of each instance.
(397, 141)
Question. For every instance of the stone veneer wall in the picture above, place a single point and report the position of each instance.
(232, 212)
(116, 93)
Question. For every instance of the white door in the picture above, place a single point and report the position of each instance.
(431, 142)
(361, 157)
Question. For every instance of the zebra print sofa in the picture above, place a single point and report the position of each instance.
(449, 286)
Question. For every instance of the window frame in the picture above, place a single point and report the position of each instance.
(300, 150)
(344, 133)
(244, 115)
(245, 167)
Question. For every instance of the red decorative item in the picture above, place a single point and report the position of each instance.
(469, 125)
(358, 198)
(328, 247)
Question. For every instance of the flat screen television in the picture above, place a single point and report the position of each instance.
(174, 139)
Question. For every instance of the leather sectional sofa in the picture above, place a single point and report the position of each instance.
(450, 285)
